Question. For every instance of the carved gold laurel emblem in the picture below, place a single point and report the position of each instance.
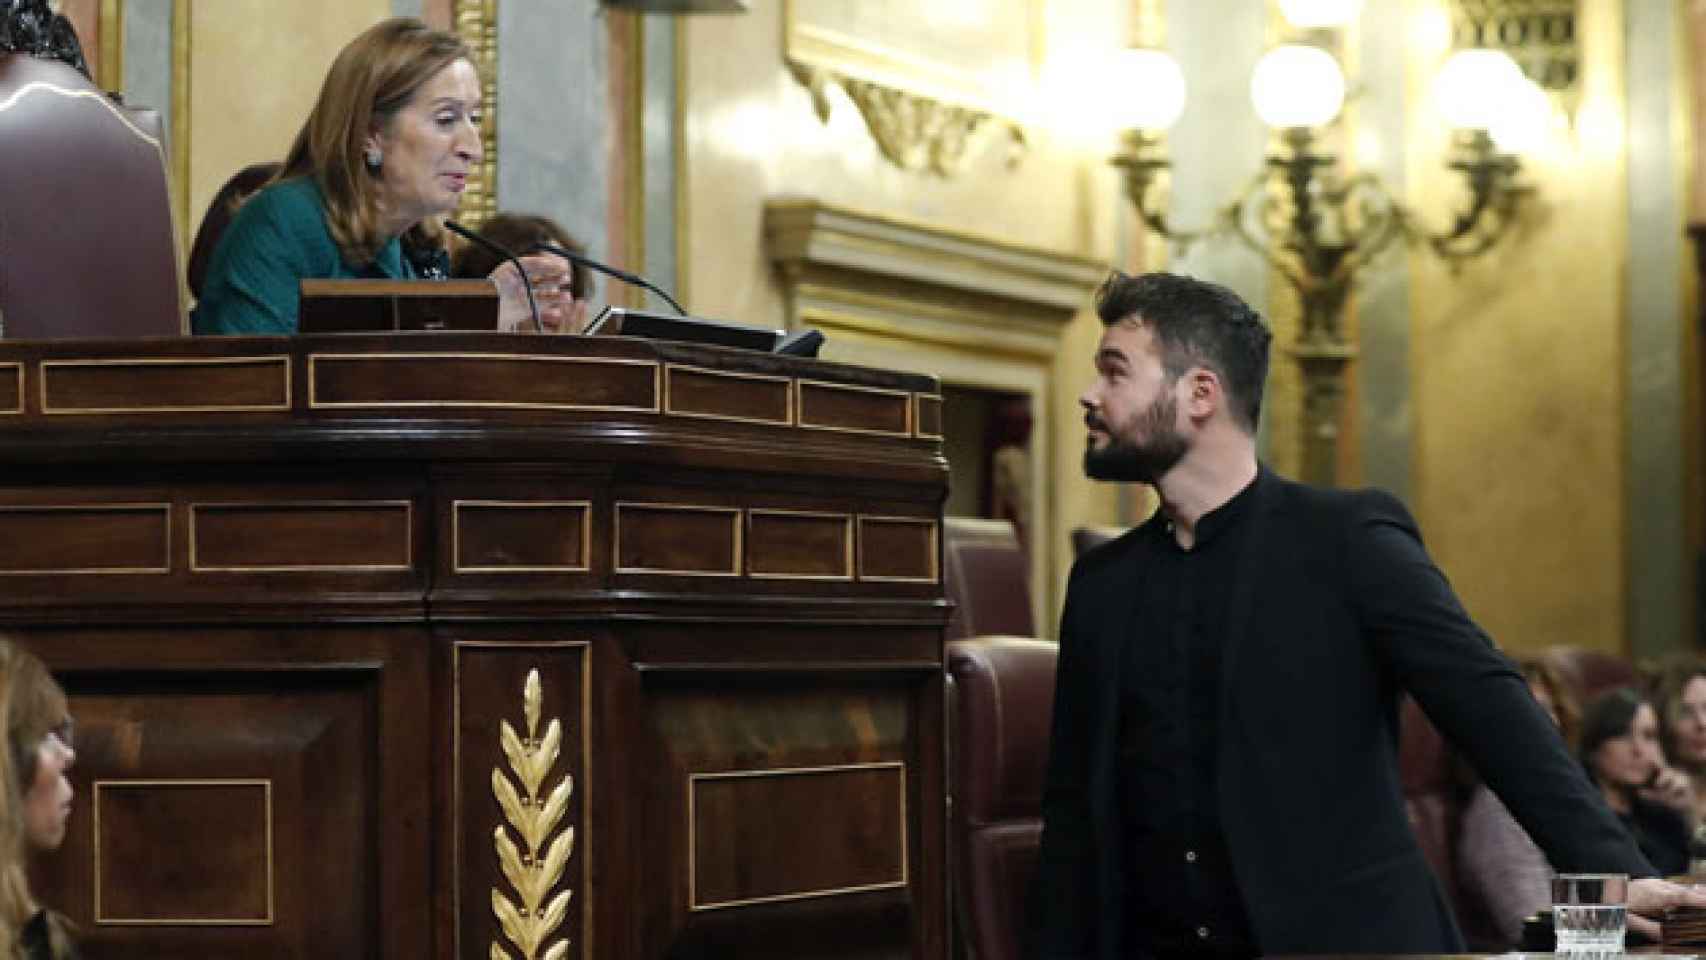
(535, 867)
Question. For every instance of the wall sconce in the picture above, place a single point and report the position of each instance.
(1314, 225)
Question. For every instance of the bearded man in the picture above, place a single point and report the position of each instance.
(1223, 774)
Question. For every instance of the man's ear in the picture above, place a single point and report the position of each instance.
(1205, 394)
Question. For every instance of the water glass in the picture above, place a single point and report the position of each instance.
(1590, 913)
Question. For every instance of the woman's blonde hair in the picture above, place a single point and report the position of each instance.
(373, 78)
(33, 705)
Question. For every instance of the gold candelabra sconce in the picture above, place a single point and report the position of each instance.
(1315, 224)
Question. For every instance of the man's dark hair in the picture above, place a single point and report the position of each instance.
(1196, 323)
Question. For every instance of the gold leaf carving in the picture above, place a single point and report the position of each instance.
(535, 867)
(913, 132)
(477, 24)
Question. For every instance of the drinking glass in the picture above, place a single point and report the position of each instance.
(1590, 913)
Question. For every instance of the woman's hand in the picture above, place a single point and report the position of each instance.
(549, 276)
(1672, 788)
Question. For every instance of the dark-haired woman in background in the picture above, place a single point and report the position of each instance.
(383, 157)
(521, 233)
(1620, 748)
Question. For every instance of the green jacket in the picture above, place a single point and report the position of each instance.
(278, 239)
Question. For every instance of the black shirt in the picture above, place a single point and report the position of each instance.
(1182, 892)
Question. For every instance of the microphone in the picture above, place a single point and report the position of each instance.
(526, 285)
(608, 270)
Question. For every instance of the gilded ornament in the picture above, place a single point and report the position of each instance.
(535, 867)
(477, 25)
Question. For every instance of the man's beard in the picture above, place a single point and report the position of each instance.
(1145, 462)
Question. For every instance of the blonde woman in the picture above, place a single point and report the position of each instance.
(34, 801)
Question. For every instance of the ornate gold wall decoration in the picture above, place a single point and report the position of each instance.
(535, 868)
(913, 132)
(924, 87)
(477, 24)
(1539, 34)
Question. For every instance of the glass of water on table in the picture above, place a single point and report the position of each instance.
(1590, 913)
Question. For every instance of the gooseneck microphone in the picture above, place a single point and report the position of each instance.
(526, 285)
(608, 270)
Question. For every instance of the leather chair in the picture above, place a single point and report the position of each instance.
(87, 246)
(242, 185)
(1002, 695)
(988, 577)
(1591, 672)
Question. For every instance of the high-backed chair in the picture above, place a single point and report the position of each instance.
(87, 245)
(1003, 693)
(1590, 672)
(987, 578)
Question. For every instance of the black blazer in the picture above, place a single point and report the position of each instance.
(1327, 626)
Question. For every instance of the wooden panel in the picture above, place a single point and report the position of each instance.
(490, 381)
(928, 421)
(141, 880)
(800, 546)
(836, 406)
(496, 536)
(748, 829)
(11, 388)
(175, 385)
(333, 535)
(727, 395)
(900, 549)
(491, 692)
(85, 539)
(678, 539)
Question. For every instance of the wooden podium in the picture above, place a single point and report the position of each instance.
(374, 639)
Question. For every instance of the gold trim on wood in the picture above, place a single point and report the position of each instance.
(670, 409)
(734, 513)
(918, 400)
(585, 506)
(266, 787)
(935, 575)
(165, 562)
(536, 867)
(408, 537)
(848, 558)
(283, 362)
(111, 44)
(693, 780)
(315, 403)
(586, 786)
(19, 368)
(477, 25)
(800, 408)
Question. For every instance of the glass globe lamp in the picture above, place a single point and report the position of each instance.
(1148, 89)
(1295, 85)
(1478, 86)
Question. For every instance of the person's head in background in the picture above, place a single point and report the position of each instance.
(1554, 696)
(1620, 744)
(521, 233)
(1682, 713)
(36, 799)
(393, 136)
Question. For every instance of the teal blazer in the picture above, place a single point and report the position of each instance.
(276, 240)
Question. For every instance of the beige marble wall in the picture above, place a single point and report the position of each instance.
(1518, 376)
(255, 67)
(751, 133)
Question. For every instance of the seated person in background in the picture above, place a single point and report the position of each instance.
(34, 802)
(1682, 724)
(385, 152)
(1620, 748)
(1500, 864)
(520, 233)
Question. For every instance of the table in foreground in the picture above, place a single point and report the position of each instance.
(375, 639)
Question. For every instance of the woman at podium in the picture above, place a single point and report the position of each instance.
(385, 153)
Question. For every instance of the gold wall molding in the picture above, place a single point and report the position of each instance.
(928, 107)
(536, 867)
(1541, 35)
(477, 24)
(109, 75)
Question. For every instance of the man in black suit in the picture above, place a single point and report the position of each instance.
(1223, 777)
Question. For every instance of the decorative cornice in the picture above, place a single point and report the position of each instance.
(913, 132)
(477, 25)
(825, 245)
